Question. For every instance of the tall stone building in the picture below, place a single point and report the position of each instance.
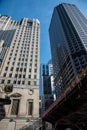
(19, 65)
(68, 39)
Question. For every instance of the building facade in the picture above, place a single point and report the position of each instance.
(47, 85)
(19, 65)
(68, 39)
(51, 74)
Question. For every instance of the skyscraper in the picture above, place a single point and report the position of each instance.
(47, 85)
(68, 39)
(19, 64)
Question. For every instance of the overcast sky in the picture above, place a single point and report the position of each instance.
(42, 10)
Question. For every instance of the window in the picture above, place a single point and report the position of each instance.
(4, 75)
(16, 75)
(30, 107)
(35, 83)
(11, 68)
(29, 70)
(13, 63)
(29, 83)
(19, 59)
(17, 69)
(24, 69)
(2, 81)
(35, 56)
(12, 50)
(22, 64)
(14, 81)
(10, 75)
(6, 68)
(19, 82)
(35, 64)
(24, 76)
(8, 81)
(20, 69)
(19, 75)
(35, 70)
(9, 58)
(14, 58)
(31, 55)
(22, 59)
(18, 63)
(15, 107)
(30, 64)
(8, 63)
(29, 76)
(30, 59)
(36, 60)
(23, 55)
(12, 46)
(26, 59)
(23, 82)
(25, 64)
(35, 76)
(20, 51)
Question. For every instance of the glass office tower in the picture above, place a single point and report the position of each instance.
(47, 84)
(68, 39)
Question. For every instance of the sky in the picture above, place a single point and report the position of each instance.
(41, 10)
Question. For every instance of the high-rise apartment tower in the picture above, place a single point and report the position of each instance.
(68, 39)
(19, 64)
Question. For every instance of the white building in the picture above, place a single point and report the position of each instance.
(19, 65)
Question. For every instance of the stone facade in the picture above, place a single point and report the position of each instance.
(19, 66)
(24, 95)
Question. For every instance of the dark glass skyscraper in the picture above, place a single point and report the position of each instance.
(68, 39)
(48, 95)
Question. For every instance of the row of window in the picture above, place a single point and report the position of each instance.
(26, 41)
(22, 59)
(22, 55)
(25, 46)
(19, 75)
(21, 64)
(20, 69)
(80, 62)
(27, 34)
(23, 42)
(19, 82)
(27, 51)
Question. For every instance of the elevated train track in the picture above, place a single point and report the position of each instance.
(70, 109)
